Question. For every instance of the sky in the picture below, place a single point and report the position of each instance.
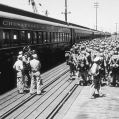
(82, 13)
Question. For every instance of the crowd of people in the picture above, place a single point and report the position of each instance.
(94, 63)
(27, 68)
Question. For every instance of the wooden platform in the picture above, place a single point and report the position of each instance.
(58, 94)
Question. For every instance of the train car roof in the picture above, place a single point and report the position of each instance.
(12, 10)
(71, 24)
(15, 13)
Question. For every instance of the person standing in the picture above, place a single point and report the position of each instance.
(26, 71)
(96, 82)
(18, 66)
(35, 74)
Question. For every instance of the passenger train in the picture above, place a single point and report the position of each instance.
(49, 36)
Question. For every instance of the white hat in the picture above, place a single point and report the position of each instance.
(19, 56)
(34, 56)
(20, 52)
(96, 59)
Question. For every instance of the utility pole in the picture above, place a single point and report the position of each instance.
(96, 4)
(66, 10)
(66, 13)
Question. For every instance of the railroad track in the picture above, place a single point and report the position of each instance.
(57, 91)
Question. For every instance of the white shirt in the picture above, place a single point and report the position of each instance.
(18, 66)
(35, 65)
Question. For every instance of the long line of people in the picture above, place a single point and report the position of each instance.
(27, 69)
(94, 63)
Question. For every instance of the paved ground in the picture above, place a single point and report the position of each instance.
(105, 107)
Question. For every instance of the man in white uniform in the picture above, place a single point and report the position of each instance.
(35, 74)
(18, 66)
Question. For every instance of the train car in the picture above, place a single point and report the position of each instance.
(18, 28)
(81, 33)
(49, 37)
(107, 34)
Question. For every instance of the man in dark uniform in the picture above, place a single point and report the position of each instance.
(114, 65)
(26, 71)
(72, 64)
(96, 82)
(82, 68)
(67, 56)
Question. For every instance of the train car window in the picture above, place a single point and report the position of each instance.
(35, 34)
(29, 36)
(76, 36)
(48, 37)
(44, 37)
(34, 37)
(56, 37)
(79, 36)
(69, 38)
(3, 37)
(58, 40)
(65, 37)
(51, 36)
(15, 35)
(6, 38)
(23, 37)
(37, 37)
(40, 37)
(61, 37)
